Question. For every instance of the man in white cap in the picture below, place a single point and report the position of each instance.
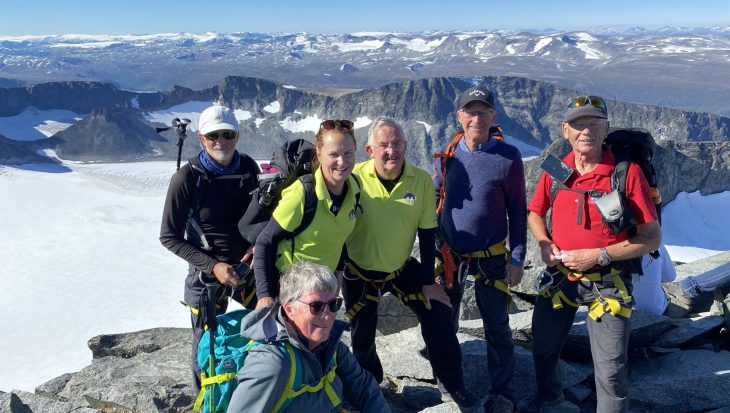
(206, 199)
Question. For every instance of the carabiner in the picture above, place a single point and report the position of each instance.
(543, 281)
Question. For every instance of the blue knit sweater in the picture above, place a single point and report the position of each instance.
(485, 199)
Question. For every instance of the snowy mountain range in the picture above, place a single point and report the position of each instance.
(673, 67)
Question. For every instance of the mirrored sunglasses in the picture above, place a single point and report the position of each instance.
(317, 307)
(594, 101)
(331, 124)
(227, 135)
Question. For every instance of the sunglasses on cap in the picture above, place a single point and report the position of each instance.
(594, 101)
(317, 307)
(226, 134)
(330, 124)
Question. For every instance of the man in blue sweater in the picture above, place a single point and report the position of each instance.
(480, 187)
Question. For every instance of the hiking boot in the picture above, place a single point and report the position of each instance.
(466, 400)
(534, 405)
(496, 403)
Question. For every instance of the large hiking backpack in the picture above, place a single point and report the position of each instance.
(495, 131)
(634, 145)
(229, 355)
(292, 160)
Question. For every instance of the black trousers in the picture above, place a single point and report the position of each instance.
(437, 326)
(194, 290)
(493, 305)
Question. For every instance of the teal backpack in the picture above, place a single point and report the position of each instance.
(230, 351)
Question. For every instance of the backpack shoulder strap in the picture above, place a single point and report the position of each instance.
(201, 183)
(358, 192)
(310, 204)
(295, 376)
(496, 132)
(619, 175)
(445, 156)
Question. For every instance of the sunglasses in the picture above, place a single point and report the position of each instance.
(594, 101)
(331, 124)
(317, 307)
(227, 135)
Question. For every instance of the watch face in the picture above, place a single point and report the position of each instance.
(604, 259)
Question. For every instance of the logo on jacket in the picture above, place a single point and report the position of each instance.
(351, 215)
(410, 199)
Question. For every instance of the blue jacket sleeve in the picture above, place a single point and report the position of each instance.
(360, 388)
(261, 381)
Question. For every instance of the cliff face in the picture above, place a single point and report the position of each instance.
(529, 111)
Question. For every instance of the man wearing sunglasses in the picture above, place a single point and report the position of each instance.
(482, 205)
(398, 200)
(588, 262)
(205, 200)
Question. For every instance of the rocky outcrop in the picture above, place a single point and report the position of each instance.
(110, 135)
(675, 366)
(19, 152)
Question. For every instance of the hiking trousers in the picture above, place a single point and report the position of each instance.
(609, 338)
(711, 280)
(493, 305)
(194, 289)
(444, 352)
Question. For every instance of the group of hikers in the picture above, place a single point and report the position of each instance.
(355, 244)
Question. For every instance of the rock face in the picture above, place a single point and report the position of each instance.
(110, 135)
(673, 368)
(19, 152)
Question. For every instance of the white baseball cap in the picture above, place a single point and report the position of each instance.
(217, 118)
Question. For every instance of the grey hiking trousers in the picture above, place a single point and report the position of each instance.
(609, 338)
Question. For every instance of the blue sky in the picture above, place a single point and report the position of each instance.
(24, 17)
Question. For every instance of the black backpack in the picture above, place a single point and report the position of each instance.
(294, 161)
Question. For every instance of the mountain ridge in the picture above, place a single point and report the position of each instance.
(675, 67)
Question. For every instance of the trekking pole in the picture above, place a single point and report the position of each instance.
(180, 126)
(211, 321)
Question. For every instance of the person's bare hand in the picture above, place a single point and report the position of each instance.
(435, 292)
(514, 274)
(265, 302)
(550, 253)
(581, 260)
(226, 274)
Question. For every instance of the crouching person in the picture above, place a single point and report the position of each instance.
(304, 367)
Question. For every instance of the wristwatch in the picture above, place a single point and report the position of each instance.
(604, 259)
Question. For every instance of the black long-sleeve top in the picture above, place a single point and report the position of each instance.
(222, 205)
